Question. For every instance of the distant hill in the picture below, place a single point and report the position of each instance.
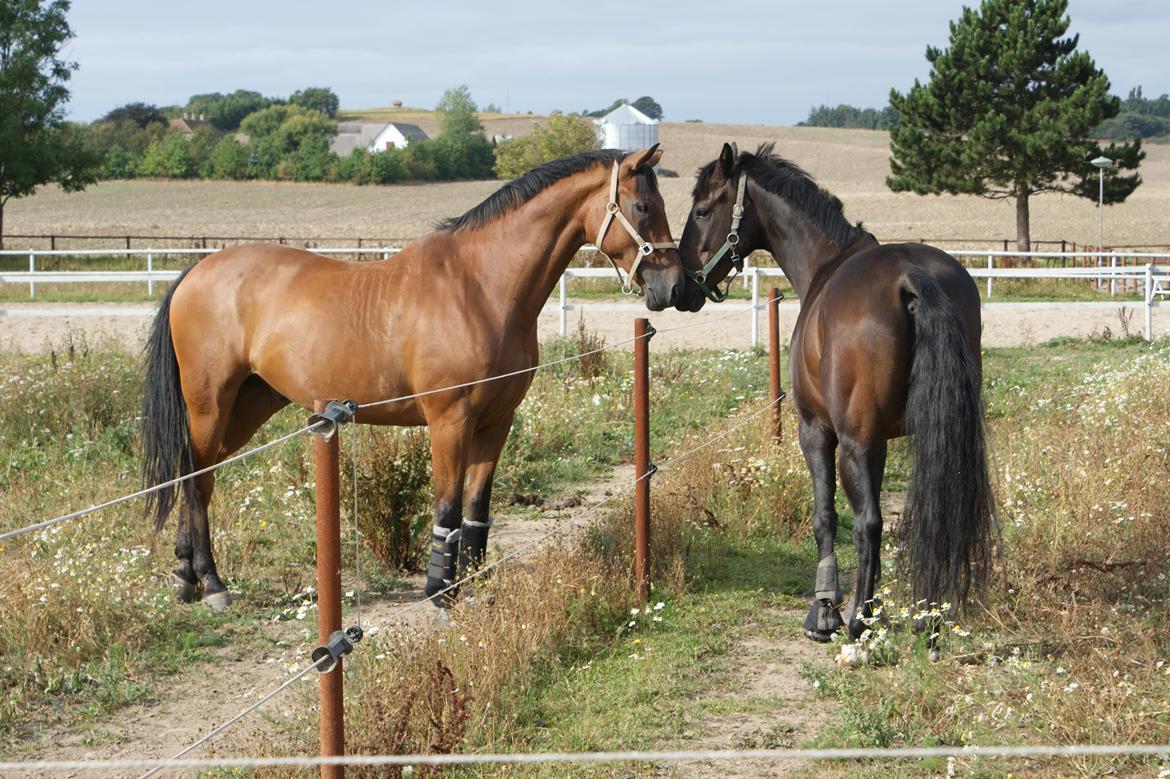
(493, 123)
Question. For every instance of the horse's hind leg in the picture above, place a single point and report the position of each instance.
(185, 580)
(215, 438)
(818, 444)
(208, 420)
(862, 467)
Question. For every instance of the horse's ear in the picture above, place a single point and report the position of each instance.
(726, 161)
(649, 157)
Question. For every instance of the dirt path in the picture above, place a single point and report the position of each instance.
(35, 327)
(768, 669)
(186, 706)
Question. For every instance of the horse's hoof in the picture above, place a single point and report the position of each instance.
(185, 591)
(935, 655)
(823, 621)
(217, 601)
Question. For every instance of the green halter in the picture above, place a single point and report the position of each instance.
(730, 245)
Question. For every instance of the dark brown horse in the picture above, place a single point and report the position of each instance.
(886, 344)
(249, 330)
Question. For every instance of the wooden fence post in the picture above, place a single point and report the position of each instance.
(332, 715)
(774, 360)
(642, 467)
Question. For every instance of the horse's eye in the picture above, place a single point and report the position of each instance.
(702, 213)
(642, 207)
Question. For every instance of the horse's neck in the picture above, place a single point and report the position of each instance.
(521, 255)
(804, 253)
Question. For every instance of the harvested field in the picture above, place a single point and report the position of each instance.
(850, 163)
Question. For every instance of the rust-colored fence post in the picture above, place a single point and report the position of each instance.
(642, 333)
(329, 593)
(774, 360)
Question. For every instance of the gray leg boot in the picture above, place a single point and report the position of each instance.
(441, 572)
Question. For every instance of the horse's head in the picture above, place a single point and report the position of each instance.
(632, 230)
(719, 232)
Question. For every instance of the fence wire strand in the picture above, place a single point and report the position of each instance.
(141, 493)
(1160, 751)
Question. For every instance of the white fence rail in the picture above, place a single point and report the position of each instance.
(1110, 268)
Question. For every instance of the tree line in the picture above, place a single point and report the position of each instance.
(243, 135)
(1138, 117)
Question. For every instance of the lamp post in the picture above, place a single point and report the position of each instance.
(1101, 163)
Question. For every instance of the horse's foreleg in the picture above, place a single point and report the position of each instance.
(451, 436)
(862, 467)
(818, 444)
(485, 453)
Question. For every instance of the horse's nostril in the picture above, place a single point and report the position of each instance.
(675, 293)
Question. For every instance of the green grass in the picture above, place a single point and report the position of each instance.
(656, 685)
(68, 439)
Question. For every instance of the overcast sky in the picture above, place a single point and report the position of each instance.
(758, 62)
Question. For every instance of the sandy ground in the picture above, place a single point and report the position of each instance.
(37, 327)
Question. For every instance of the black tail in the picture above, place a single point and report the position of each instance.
(949, 523)
(164, 428)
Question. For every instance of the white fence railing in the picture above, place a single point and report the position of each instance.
(1110, 268)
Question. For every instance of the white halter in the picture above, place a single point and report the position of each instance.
(613, 209)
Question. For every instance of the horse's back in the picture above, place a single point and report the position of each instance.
(312, 326)
(858, 340)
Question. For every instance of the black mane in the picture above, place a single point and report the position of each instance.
(519, 191)
(788, 181)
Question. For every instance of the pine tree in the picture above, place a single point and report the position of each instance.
(1008, 113)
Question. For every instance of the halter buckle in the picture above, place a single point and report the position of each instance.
(733, 239)
(699, 276)
(612, 207)
(737, 211)
(645, 249)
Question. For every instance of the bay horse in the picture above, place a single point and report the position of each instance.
(886, 344)
(251, 329)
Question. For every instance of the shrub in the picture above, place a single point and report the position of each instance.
(169, 157)
(561, 136)
(118, 164)
(394, 499)
(228, 160)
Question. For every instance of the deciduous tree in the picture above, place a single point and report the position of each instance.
(36, 145)
(321, 99)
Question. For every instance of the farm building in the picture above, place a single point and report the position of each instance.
(374, 136)
(626, 128)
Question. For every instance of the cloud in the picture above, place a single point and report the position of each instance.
(762, 62)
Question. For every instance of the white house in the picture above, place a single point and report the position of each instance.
(374, 136)
(626, 128)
